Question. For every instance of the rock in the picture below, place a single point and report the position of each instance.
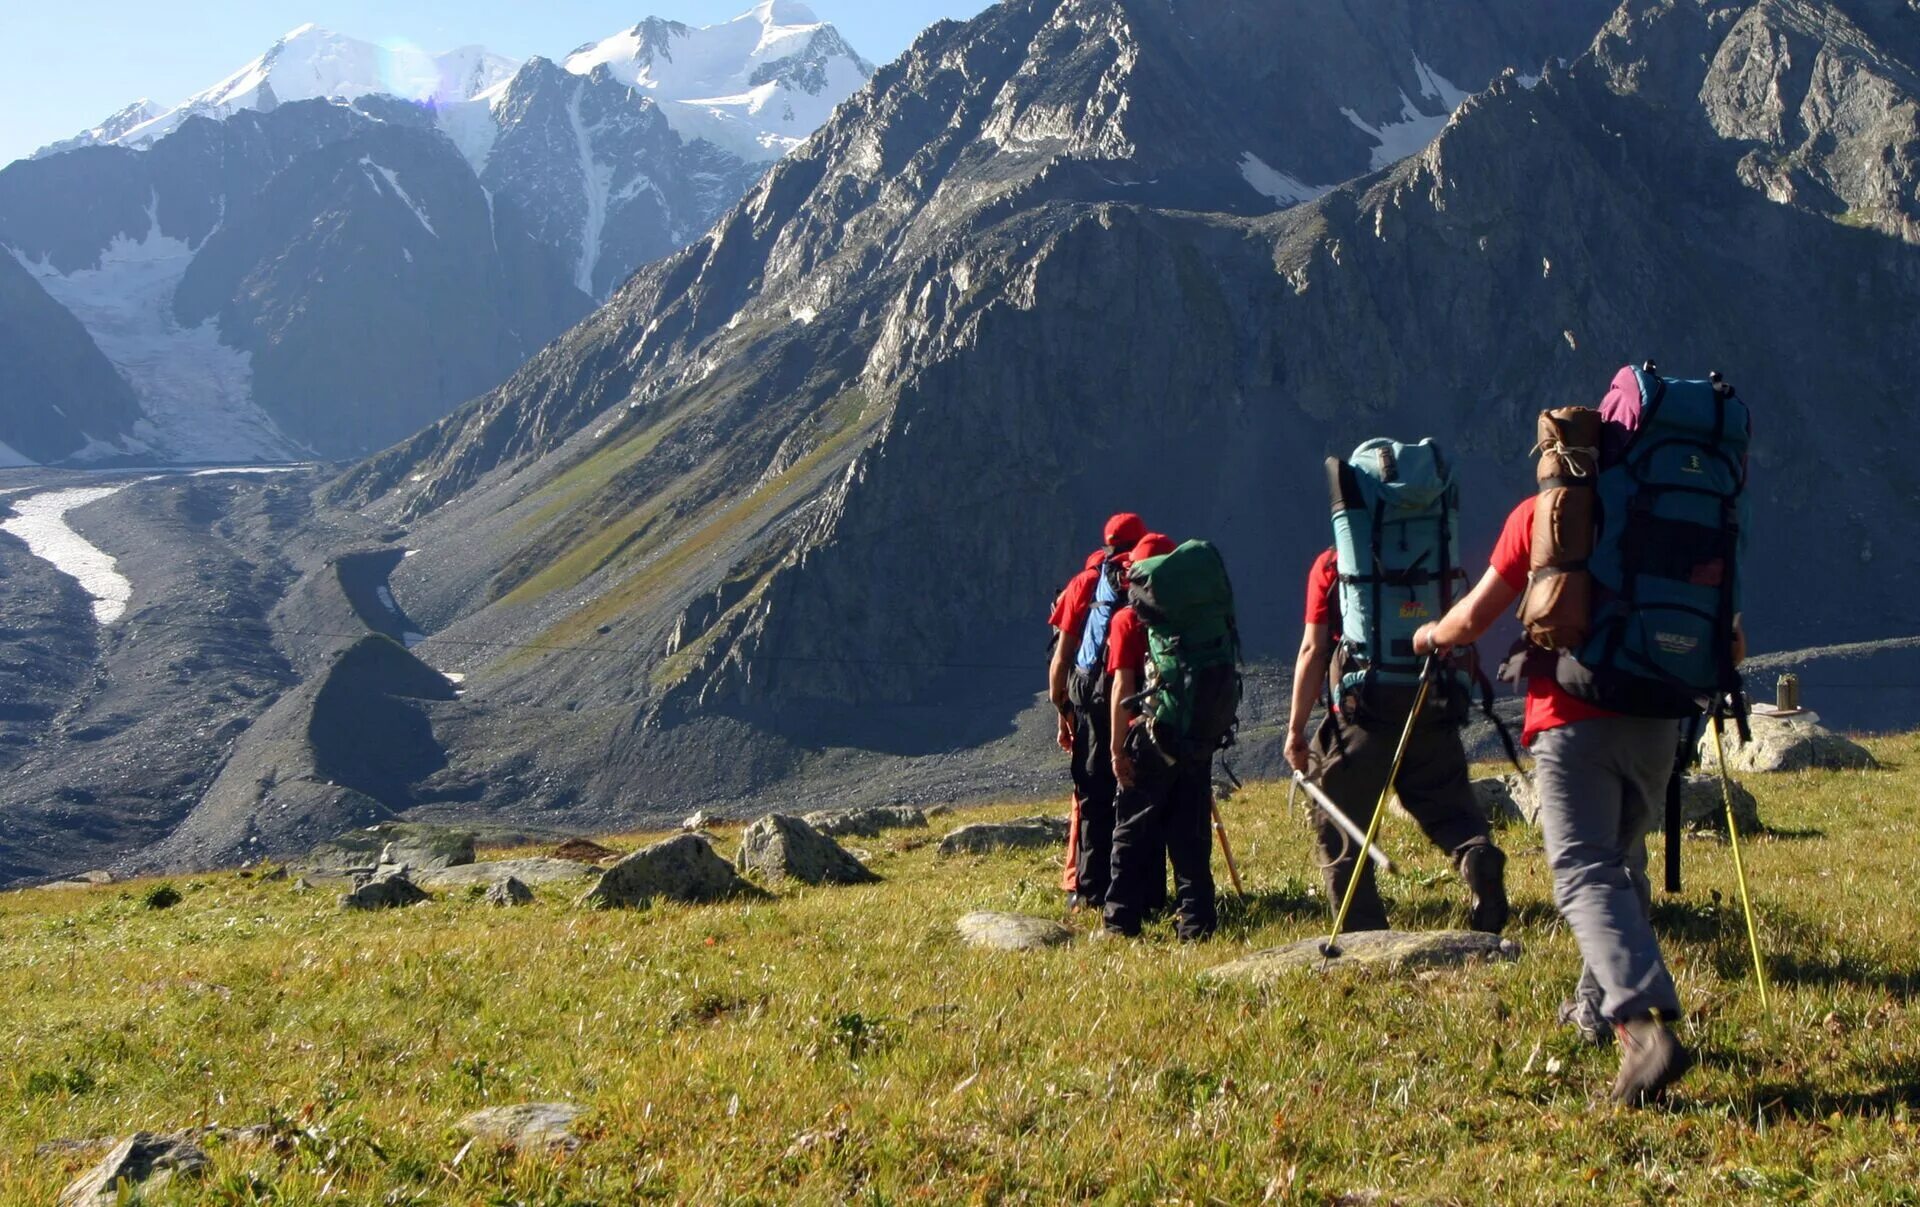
(702, 820)
(530, 1125)
(1394, 950)
(1507, 799)
(535, 871)
(867, 823)
(1702, 807)
(430, 850)
(509, 892)
(583, 850)
(1011, 932)
(1793, 743)
(391, 890)
(1059, 825)
(144, 1161)
(683, 868)
(983, 838)
(781, 847)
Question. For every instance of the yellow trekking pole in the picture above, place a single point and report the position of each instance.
(1331, 948)
(1739, 869)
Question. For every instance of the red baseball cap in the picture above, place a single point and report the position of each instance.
(1153, 544)
(1125, 530)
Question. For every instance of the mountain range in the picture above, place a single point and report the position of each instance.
(438, 217)
(783, 516)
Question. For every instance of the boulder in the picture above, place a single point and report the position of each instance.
(779, 847)
(509, 892)
(143, 1161)
(582, 850)
(867, 823)
(1011, 932)
(1702, 807)
(1393, 950)
(1507, 799)
(702, 820)
(683, 868)
(1791, 743)
(984, 838)
(533, 871)
(528, 1126)
(1058, 825)
(389, 890)
(430, 850)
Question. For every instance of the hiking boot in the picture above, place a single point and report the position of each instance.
(1584, 1017)
(1484, 868)
(1651, 1059)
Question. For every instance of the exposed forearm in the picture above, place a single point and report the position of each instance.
(1126, 684)
(1057, 673)
(1469, 619)
(1309, 670)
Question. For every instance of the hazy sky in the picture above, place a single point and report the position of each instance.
(66, 64)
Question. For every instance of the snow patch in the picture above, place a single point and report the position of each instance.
(41, 522)
(1277, 185)
(596, 180)
(196, 392)
(393, 182)
(9, 459)
(1415, 130)
(804, 315)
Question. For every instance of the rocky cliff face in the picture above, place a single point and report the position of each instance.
(60, 392)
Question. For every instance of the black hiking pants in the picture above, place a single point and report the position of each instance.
(1168, 809)
(1352, 761)
(1094, 783)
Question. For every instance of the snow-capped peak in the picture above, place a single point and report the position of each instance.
(757, 85)
(310, 63)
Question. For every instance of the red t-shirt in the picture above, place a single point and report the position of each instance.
(1126, 642)
(1075, 601)
(1323, 607)
(1549, 705)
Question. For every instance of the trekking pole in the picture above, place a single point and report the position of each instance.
(1339, 818)
(1739, 869)
(1226, 849)
(1331, 948)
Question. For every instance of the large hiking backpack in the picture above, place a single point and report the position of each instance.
(1665, 564)
(1087, 687)
(1396, 536)
(1191, 699)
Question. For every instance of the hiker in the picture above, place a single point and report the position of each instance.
(1604, 710)
(1174, 656)
(1077, 686)
(1395, 564)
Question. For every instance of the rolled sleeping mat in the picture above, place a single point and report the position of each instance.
(1558, 605)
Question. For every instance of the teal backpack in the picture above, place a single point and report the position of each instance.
(1191, 700)
(1396, 535)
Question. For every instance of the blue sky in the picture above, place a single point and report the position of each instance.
(66, 64)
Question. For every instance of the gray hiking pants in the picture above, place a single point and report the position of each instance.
(1600, 784)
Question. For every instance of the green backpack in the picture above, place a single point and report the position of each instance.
(1191, 700)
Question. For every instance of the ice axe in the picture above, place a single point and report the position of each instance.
(1739, 868)
(1226, 849)
(1346, 824)
(1331, 948)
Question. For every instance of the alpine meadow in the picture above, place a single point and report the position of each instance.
(1142, 601)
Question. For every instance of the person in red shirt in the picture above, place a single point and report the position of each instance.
(1352, 756)
(1598, 779)
(1079, 695)
(1159, 808)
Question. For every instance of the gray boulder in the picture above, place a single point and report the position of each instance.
(779, 847)
(683, 868)
(1393, 950)
(509, 892)
(530, 1125)
(694, 823)
(1507, 799)
(430, 850)
(1795, 743)
(389, 890)
(987, 837)
(416, 844)
(142, 1162)
(533, 871)
(1011, 932)
(1702, 807)
(867, 823)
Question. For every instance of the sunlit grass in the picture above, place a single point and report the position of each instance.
(835, 1045)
